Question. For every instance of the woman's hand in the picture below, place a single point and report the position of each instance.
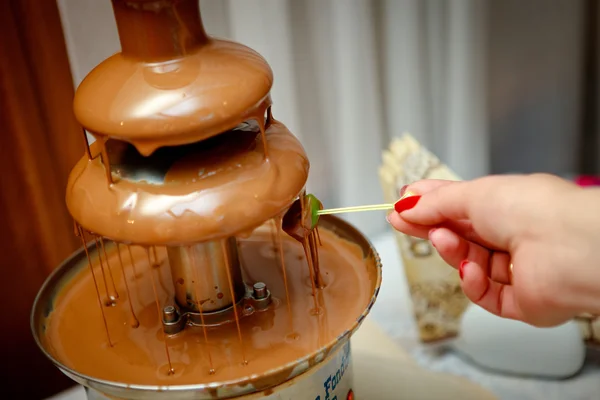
(526, 247)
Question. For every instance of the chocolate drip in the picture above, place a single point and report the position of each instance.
(171, 371)
(134, 321)
(91, 267)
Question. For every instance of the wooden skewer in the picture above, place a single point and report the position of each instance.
(374, 207)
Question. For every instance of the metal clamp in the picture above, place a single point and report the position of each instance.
(256, 299)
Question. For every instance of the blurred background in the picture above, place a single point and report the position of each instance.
(490, 86)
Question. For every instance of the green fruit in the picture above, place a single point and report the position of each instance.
(314, 205)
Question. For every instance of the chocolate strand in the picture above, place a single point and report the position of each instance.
(195, 284)
(159, 313)
(81, 234)
(136, 322)
(278, 223)
(111, 299)
(237, 317)
(112, 279)
(135, 275)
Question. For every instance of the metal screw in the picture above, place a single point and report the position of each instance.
(260, 290)
(170, 314)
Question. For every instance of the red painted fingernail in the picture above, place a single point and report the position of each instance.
(461, 268)
(406, 203)
(402, 190)
(588, 180)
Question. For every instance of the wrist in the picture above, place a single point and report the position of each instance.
(579, 233)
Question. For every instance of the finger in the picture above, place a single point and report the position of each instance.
(443, 203)
(500, 268)
(492, 296)
(465, 229)
(408, 228)
(423, 186)
(448, 204)
(462, 228)
(454, 249)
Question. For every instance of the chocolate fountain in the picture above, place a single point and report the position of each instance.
(189, 285)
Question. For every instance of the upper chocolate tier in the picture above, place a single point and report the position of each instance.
(171, 84)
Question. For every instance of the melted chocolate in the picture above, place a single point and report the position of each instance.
(77, 338)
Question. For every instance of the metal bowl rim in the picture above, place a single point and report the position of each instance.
(333, 220)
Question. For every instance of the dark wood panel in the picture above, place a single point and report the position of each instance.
(39, 143)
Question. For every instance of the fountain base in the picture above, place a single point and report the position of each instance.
(298, 344)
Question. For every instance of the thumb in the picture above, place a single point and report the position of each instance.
(449, 202)
(476, 209)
